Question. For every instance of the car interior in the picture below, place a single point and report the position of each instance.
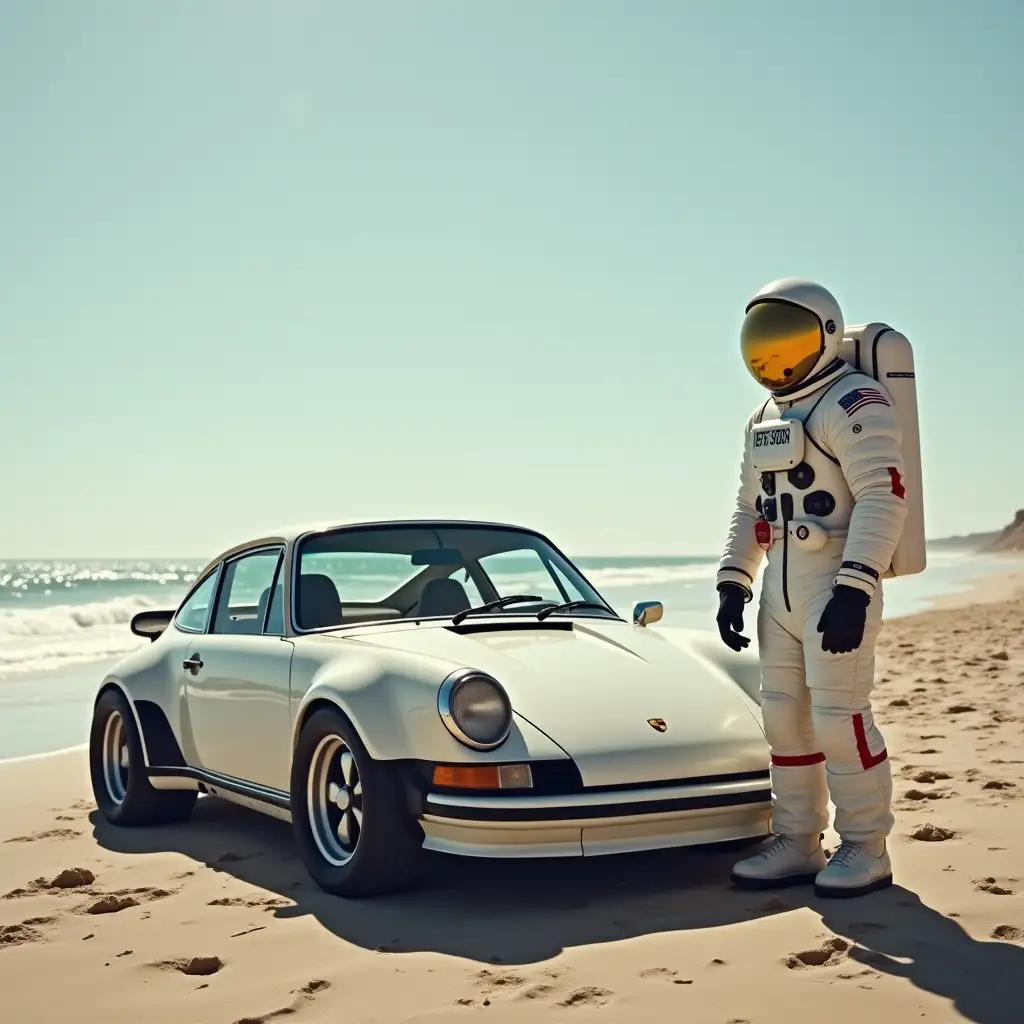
(432, 592)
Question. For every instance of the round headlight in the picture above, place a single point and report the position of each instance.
(475, 709)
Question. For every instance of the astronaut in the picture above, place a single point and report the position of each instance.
(822, 494)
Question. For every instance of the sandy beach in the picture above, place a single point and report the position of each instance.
(215, 921)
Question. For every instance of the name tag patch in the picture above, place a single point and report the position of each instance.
(772, 438)
(777, 445)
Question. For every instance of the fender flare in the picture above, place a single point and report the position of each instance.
(113, 683)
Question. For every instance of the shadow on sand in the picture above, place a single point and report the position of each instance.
(896, 934)
(523, 912)
(512, 912)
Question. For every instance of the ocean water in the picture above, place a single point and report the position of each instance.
(62, 623)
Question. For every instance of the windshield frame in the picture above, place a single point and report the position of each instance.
(294, 569)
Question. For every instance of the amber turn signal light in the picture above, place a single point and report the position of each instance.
(483, 776)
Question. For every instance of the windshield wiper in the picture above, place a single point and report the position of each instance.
(571, 606)
(494, 605)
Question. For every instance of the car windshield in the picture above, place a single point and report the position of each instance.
(367, 574)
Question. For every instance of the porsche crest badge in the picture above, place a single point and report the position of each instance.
(657, 723)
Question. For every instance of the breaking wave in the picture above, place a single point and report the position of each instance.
(40, 639)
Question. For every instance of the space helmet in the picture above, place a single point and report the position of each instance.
(791, 332)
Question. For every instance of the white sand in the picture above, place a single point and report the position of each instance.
(658, 937)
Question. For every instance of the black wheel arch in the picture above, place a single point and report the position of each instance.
(160, 747)
(413, 794)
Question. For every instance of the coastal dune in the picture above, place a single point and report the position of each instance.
(216, 921)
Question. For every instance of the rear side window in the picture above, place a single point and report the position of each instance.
(193, 614)
(246, 593)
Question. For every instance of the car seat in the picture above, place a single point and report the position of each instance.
(318, 602)
(442, 597)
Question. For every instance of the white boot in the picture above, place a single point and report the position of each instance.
(785, 860)
(854, 870)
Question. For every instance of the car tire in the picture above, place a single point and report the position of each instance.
(338, 790)
(122, 791)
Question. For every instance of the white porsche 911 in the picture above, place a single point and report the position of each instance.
(460, 687)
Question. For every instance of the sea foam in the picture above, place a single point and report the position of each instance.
(41, 639)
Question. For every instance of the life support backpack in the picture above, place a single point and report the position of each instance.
(886, 355)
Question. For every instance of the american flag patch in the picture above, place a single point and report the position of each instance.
(855, 400)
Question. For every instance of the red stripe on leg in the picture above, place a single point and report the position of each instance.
(897, 484)
(867, 759)
(800, 761)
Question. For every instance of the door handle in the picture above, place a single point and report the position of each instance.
(193, 664)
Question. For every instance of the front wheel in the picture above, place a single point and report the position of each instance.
(118, 770)
(354, 832)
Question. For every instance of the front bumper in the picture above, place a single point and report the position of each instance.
(621, 819)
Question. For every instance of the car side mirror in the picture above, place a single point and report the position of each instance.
(646, 613)
(150, 624)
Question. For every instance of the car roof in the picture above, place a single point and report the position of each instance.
(288, 535)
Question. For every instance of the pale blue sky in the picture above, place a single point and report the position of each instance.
(267, 262)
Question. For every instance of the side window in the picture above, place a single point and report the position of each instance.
(245, 594)
(192, 615)
(524, 572)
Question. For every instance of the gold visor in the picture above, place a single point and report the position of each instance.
(780, 343)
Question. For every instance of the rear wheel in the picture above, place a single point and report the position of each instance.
(119, 783)
(354, 832)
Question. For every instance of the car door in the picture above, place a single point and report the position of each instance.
(236, 676)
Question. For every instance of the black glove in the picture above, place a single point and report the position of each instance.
(842, 622)
(731, 599)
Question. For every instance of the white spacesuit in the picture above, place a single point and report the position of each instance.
(822, 491)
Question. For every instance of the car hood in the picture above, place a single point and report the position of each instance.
(593, 689)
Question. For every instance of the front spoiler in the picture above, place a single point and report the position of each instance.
(591, 824)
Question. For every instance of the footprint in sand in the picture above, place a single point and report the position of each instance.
(492, 980)
(73, 878)
(38, 922)
(930, 775)
(535, 992)
(929, 833)
(999, 784)
(587, 997)
(926, 794)
(995, 886)
(110, 905)
(960, 709)
(55, 833)
(193, 967)
(69, 878)
(18, 935)
(261, 902)
(303, 996)
(1007, 933)
(124, 899)
(827, 955)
